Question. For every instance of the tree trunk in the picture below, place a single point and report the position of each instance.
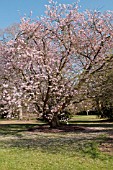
(20, 113)
(55, 121)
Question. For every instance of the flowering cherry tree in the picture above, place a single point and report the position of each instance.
(51, 58)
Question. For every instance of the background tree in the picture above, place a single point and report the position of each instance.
(9, 33)
(6, 76)
(100, 90)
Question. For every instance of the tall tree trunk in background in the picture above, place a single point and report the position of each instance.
(20, 116)
(98, 106)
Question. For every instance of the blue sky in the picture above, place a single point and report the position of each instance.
(12, 10)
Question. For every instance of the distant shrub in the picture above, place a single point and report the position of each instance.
(107, 112)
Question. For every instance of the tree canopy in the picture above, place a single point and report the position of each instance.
(50, 59)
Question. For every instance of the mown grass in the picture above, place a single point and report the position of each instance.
(24, 159)
(21, 149)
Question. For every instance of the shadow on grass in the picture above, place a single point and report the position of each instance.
(73, 126)
(104, 125)
(61, 143)
(14, 129)
(69, 145)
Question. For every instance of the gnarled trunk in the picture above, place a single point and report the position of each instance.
(55, 121)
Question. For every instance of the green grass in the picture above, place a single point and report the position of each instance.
(86, 119)
(29, 159)
(24, 150)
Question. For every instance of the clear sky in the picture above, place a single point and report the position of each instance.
(12, 10)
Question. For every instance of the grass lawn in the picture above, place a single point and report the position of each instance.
(89, 148)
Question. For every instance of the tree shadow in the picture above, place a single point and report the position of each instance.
(65, 145)
(14, 129)
(62, 142)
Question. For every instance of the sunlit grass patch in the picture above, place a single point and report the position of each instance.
(30, 159)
